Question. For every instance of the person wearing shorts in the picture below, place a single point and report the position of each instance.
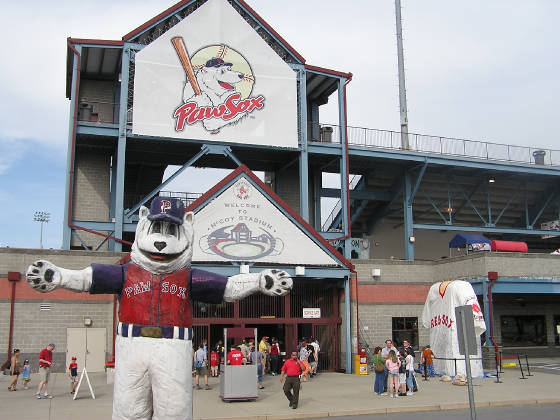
(45, 364)
(200, 366)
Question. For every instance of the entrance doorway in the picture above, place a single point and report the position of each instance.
(89, 346)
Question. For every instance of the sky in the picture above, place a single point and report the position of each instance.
(479, 70)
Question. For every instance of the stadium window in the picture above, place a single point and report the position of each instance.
(405, 328)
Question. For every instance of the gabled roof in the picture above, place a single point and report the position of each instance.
(306, 229)
(324, 80)
(184, 3)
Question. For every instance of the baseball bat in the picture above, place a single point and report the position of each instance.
(181, 50)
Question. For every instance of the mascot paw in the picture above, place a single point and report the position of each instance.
(275, 283)
(43, 276)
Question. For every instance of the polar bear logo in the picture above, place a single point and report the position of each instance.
(153, 352)
(217, 90)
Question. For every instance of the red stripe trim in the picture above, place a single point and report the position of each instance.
(96, 41)
(329, 71)
(389, 293)
(306, 226)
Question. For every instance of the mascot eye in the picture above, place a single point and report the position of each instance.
(172, 230)
(156, 227)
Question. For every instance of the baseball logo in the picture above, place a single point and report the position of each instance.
(218, 87)
(165, 205)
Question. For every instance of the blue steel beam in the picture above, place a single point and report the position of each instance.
(418, 181)
(66, 229)
(134, 209)
(121, 147)
(514, 196)
(496, 166)
(486, 229)
(470, 202)
(435, 207)
(303, 155)
(408, 219)
(465, 201)
(520, 285)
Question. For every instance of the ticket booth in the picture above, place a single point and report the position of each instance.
(238, 382)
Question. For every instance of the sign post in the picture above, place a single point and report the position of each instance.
(467, 345)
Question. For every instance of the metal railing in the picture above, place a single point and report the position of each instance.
(386, 139)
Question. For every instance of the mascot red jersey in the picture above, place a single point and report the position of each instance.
(153, 355)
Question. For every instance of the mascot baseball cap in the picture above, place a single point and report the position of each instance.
(169, 209)
(217, 62)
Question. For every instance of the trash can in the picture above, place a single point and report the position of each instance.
(84, 113)
(326, 134)
(539, 157)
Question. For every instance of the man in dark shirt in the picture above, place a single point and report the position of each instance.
(292, 369)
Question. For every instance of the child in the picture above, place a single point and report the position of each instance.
(73, 368)
(26, 375)
(214, 363)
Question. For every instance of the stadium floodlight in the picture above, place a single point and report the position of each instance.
(42, 217)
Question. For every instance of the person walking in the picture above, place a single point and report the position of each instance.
(200, 364)
(428, 361)
(45, 365)
(15, 370)
(392, 363)
(274, 355)
(292, 368)
(379, 367)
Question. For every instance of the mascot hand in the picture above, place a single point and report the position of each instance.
(275, 282)
(43, 276)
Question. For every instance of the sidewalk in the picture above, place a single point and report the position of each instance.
(328, 394)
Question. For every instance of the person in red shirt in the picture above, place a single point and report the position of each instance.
(235, 357)
(73, 373)
(45, 364)
(292, 368)
(214, 363)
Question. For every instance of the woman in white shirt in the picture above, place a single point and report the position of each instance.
(410, 372)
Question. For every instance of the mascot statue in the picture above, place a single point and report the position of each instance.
(439, 317)
(153, 360)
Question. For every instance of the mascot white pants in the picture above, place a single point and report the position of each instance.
(154, 379)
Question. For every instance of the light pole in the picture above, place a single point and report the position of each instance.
(43, 217)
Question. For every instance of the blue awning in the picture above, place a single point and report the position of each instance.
(462, 239)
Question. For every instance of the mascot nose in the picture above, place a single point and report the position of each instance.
(160, 245)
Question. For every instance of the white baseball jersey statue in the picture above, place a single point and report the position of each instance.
(439, 317)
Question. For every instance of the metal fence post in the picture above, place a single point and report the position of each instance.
(527, 363)
(521, 368)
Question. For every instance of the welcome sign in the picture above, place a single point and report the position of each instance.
(242, 224)
(212, 77)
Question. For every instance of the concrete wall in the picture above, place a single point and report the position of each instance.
(35, 328)
(91, 195)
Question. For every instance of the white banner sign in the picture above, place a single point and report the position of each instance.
(241, 224)
(212, 77)
(312, 312)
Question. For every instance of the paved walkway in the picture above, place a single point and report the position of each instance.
(328, 394)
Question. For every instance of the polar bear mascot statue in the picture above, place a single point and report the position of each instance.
(153, 360)
(439, 317)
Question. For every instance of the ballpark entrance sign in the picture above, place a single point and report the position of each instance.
(242, 224)
(212, 77)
